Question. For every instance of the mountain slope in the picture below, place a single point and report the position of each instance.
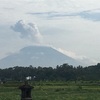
(37, 56)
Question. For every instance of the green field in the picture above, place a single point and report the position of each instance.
(54, 91)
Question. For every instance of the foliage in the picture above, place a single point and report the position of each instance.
(63, 72)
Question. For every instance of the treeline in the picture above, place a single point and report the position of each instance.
(63, 72)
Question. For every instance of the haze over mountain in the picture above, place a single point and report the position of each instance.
(44, 56)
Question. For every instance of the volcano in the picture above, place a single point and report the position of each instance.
(43, 56)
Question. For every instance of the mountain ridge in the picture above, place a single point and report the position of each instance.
(44, 56)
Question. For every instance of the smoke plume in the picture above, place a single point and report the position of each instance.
(28, 31)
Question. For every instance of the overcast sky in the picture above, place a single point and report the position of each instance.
(70, 26)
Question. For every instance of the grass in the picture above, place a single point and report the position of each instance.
(9, 93)
(53, 91)
(66, 93)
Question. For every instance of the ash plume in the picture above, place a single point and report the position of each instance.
(28, 31)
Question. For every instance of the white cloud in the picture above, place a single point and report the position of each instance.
(28, 31)
(83, 59)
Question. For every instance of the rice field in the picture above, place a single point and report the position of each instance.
(51, 91)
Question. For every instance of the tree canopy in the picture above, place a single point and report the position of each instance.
(63, 72)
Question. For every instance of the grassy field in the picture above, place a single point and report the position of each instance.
(54, 91)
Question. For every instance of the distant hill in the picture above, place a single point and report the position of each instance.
(37, 56)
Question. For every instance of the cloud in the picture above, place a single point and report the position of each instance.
(82, 59)
(70, 53)
(93, 14)
(52, 14)
(27, 31)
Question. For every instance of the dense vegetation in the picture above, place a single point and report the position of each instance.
(63, 72)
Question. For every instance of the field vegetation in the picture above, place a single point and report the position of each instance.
(53, 90)
(64, 82)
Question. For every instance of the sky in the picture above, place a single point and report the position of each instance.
(70, 26)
